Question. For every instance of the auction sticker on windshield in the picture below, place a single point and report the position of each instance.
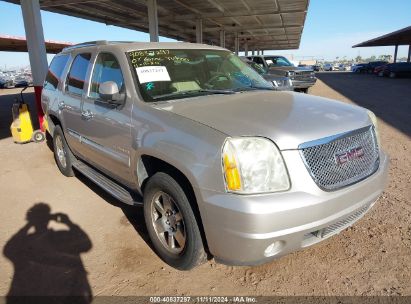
(152, 73)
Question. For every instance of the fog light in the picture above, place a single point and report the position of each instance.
(274, 248)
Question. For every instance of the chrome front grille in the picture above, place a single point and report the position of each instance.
(341, 160)
(302, 75)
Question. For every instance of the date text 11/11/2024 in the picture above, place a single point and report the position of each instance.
(203, 299)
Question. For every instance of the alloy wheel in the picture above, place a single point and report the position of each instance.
(168, 222)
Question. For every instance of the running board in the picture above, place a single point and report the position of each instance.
(107, 184)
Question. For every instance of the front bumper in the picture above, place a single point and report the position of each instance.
(303, 84)
(239, 228)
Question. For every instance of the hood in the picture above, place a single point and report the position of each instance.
(287, 118)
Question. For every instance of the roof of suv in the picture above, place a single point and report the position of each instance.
(132, 46)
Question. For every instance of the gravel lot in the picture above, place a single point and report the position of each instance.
(113, 256)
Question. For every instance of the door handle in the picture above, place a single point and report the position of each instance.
(87, 115)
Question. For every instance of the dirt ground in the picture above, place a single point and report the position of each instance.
(111, 255)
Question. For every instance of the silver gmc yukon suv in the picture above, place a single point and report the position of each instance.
(225, 166)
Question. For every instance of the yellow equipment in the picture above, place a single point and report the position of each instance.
(21, 127)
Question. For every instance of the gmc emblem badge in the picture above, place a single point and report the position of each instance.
(343, 157)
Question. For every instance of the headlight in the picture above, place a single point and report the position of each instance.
(374, 121)
(253, 165)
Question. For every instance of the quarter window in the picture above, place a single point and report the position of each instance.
(77, 74)
(54, 74)
(105, 69)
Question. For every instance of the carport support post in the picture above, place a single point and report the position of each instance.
(246, 49)
(37, 49)
(199, 31)
(236, 43)
(222, 38)
(395, 53)
(152, 20)
(409, 53)
(252, 52)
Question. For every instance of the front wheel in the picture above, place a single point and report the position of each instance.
(392, 75)
(171, 223)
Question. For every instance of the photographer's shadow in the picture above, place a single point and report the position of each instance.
(47, 262)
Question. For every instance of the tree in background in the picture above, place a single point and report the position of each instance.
(358, 58)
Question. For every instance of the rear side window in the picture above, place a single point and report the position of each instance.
(105, 69)
(77, 75)
(55, 70)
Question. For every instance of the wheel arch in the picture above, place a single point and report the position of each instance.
(149, 165)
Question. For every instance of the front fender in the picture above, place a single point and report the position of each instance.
(191, 147)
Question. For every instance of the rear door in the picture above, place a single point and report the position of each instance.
(106, 128)
(50, 93)
(71, 101)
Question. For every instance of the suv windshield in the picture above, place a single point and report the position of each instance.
(164, 74)
(276, 61)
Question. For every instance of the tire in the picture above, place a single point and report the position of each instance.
(392, 75)
(62, 152)
(380, 74)
(38, 136)
(180, 225)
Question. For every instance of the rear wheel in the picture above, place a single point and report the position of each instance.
(62, 154)
(171, 223)
(392, 75)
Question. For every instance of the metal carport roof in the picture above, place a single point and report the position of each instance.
(19, 44)
(259, 24)
(400, 37)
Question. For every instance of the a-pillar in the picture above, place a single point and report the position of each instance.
(409, 53)
(152, 20)
(37, 49)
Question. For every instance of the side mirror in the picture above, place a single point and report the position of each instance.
(110, 93)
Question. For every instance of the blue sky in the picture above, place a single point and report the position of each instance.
(331, 28)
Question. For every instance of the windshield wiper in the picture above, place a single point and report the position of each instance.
(253, 89)
(192, 92)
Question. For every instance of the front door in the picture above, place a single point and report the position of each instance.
(106, 128)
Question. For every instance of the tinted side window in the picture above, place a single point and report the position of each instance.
(105, 69)
(259, 61)
(55, 70)
(77, 74)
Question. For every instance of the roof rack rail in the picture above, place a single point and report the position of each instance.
(85, 44)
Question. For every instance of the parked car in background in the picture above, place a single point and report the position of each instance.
(369, 68)
(226, 166)
(302, 78)
(379, 70)
(359, 68)
(317, 67)
(281, 83)
(399, 69)
(6, 82)
(328, 67)
(344, 67)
